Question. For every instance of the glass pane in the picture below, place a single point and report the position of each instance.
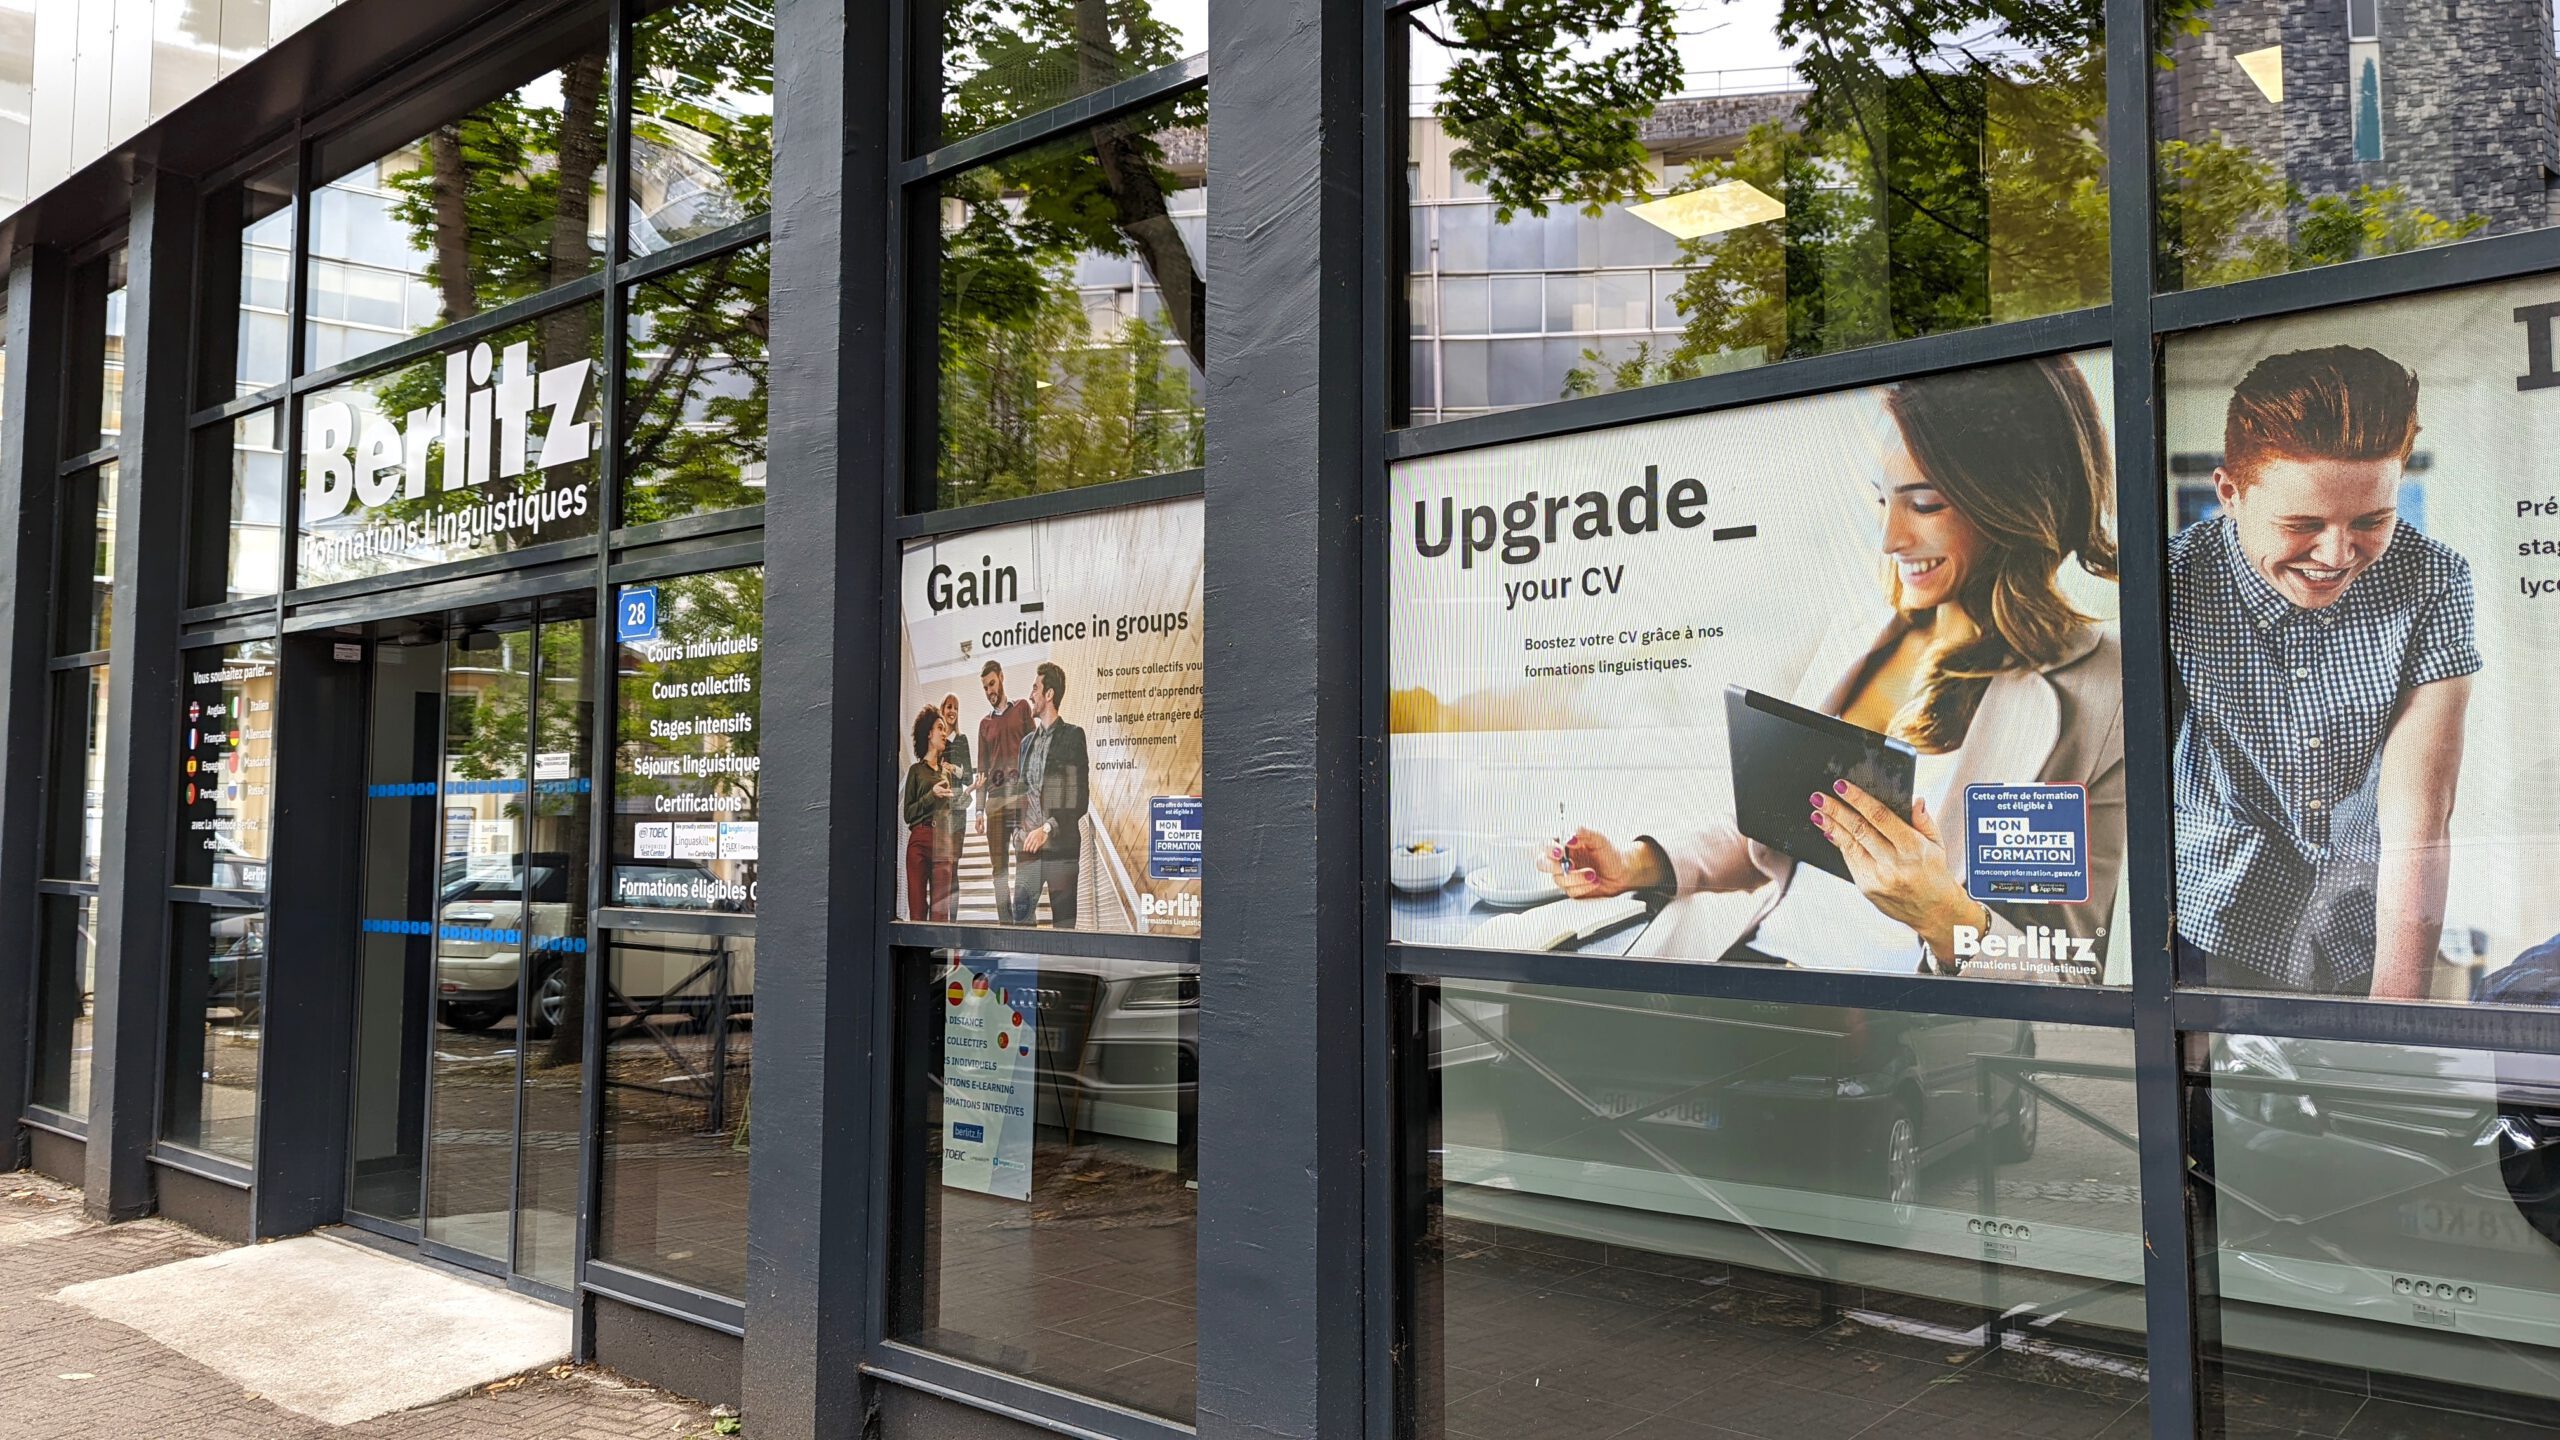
(1051, 1106)
(486, 449)
(226, 796)
(1833, 682)
(483, 909)
(77, 798)
(245, 350)
(501, 202)
(2378, 1238)
(403, 843)
(96, 393)
(2359, 617)
(688, 767)
(217, 994)
(66, 969)
(1833, 178)
(2284, 146)
(1051, 380)
(694, 389)
(1064, 790)
(680, 1043)
(238, 546)
(1006, 60)
(559, 818)
(1652, 1215)
(702, 120)
(85, 568)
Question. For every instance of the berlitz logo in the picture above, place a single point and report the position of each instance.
(2037, 942)
(485, 424)
(1185, 906)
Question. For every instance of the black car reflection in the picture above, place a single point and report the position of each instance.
(2353, 1174)
(1841, 1102)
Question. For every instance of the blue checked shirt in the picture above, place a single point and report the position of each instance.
(2281, 714)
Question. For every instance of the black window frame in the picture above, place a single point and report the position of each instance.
(909, 511)
(595, 565)
(2159, 1011)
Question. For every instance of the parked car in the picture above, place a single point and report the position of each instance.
(1835, 1102)
(479, 960)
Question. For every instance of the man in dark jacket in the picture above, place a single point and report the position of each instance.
(1001, 732)
(1054, 797)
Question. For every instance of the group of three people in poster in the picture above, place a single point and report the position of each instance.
(1026, 798)
(2321, 659)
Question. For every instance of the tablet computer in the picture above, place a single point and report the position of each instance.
(1784, 754)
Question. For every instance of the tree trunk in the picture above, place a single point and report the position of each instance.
(1129, 178)
(452, 185)
(567, 334)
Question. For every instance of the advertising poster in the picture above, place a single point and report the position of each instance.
(689, 765)
(2364, 588)
(990, 1080)
(226, 766)
(1049, 747)
(1833, 682)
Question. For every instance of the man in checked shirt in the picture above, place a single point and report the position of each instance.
(2323, 658)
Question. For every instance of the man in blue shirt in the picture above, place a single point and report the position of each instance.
(2322, 657)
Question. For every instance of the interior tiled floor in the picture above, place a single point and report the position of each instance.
(1543, 1336)
(1087, 1287)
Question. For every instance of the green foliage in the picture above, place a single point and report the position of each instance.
(492, 192)
(1034, 396)
(694, 408)
(1547, 99)
(2227, 215)
(1022, 58)
(697, 62)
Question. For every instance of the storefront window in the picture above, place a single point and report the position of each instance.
(66, 971)
(1048, 764)
(85, 567)
(2378, 1236)
(1003, 60)
(1833, 683)
(238, 521)
(501, 202)
(77, 797)
(1074, 309)
(2286, 142)
(1051, 1109)
(110, 316)
(2361, 565)
(486, 448)
(702, 120)
(248, 353)
(1638, 201)
(679, 1049)
(688, 766)
(1658, 1215)
(693, 436)
(227, 793)
(217, 1024)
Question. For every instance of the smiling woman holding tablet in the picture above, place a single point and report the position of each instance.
(1995, 479)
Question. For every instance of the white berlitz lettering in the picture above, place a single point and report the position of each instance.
(483, 427)
(2036, 942)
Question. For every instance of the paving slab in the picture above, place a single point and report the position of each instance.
(329, 1329)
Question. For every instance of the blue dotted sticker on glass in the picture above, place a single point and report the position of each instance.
(2026, 844)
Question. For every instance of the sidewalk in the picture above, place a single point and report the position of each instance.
(62, 1371)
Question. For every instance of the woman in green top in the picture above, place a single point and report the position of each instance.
(933, 821)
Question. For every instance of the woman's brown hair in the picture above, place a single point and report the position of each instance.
(2020, 452)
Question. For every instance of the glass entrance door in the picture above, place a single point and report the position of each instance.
(469, 1028)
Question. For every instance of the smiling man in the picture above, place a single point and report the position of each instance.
(2323, 654)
